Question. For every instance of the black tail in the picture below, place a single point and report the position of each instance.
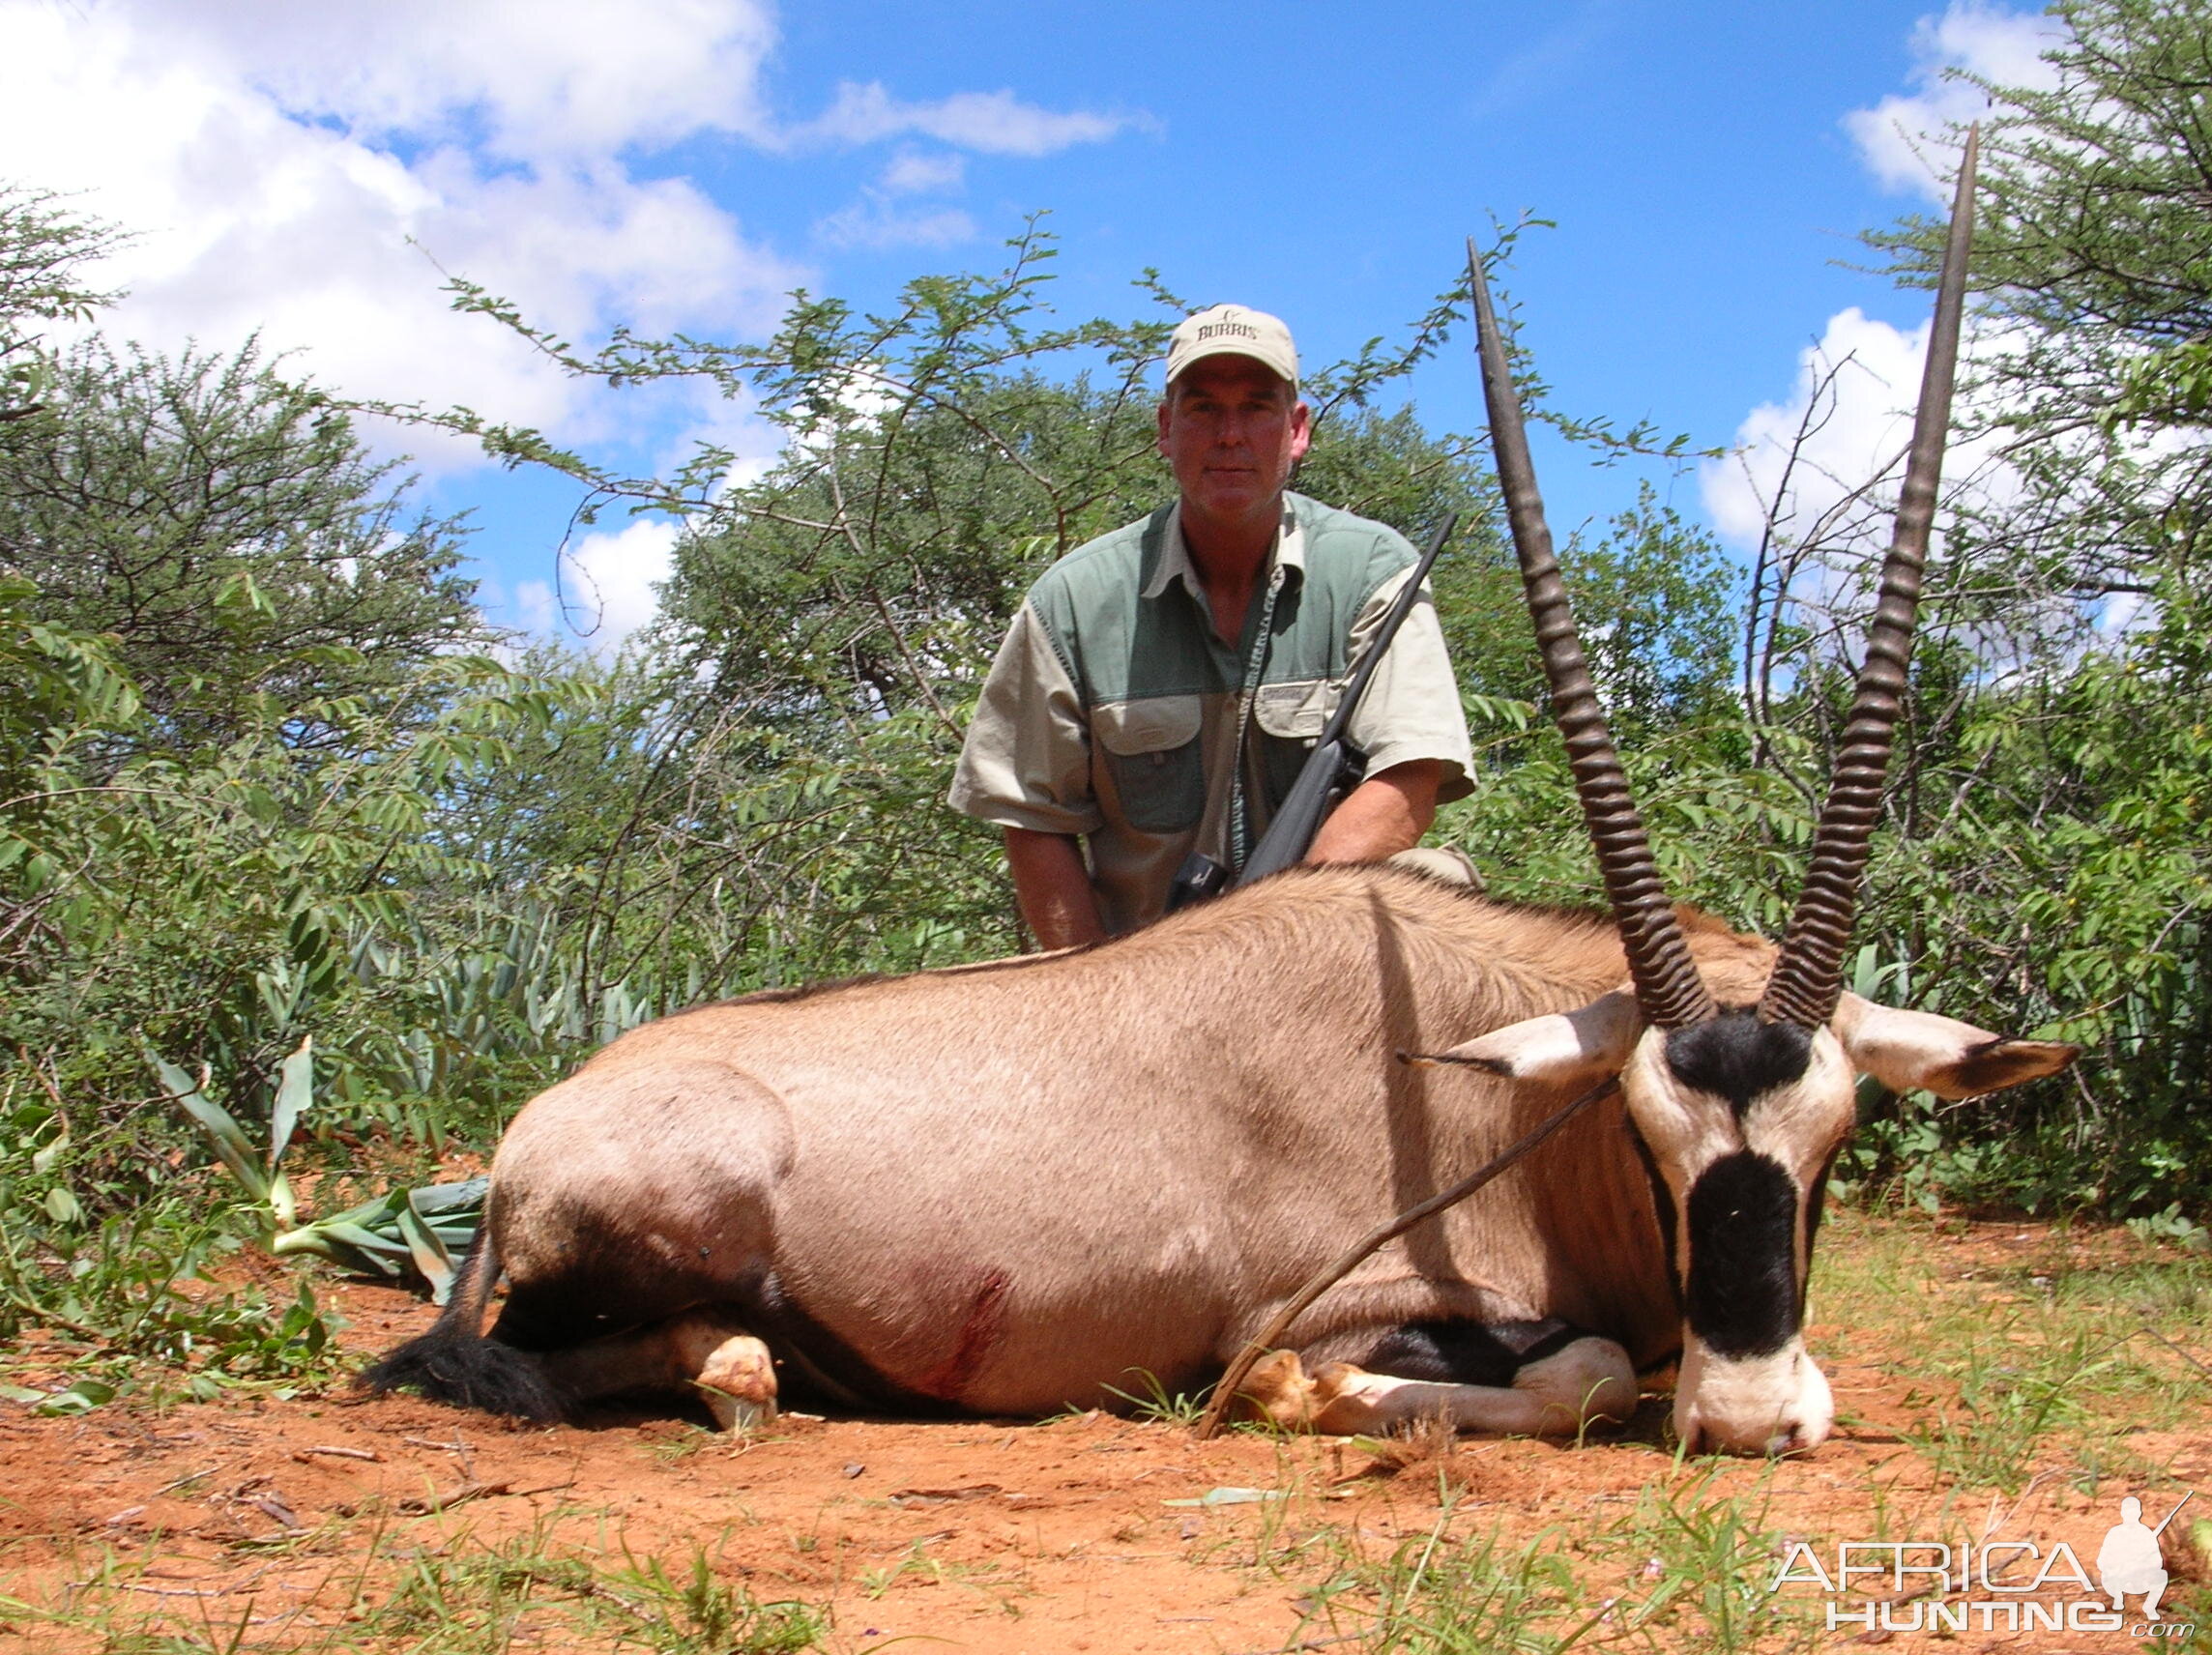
(455, 1363)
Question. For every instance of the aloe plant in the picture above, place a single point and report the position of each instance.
(426, 1230)
(402, 1233)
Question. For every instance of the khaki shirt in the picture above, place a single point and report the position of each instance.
(1111, 709)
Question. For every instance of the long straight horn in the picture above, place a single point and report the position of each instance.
(1668, 987)
(1809, 976)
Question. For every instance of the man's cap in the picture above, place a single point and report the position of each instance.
(1234, 330)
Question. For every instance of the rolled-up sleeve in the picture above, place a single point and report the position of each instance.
(1412, 709)
(1026, 760)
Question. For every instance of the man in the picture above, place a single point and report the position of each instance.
(1162, 684)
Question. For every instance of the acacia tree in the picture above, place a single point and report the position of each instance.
(826, 627)
(41, 246)
(231, 699)
(2093, 257)
(2053, 840)
(226, 528)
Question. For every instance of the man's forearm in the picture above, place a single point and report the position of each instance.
(1384, 815)
(1053, 887)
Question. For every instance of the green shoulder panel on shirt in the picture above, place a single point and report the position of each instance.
(1088, 604)
(1347, 558)
(1119, 645)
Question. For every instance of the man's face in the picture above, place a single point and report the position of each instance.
(1230, 430)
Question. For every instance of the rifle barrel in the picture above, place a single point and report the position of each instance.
(1290, 834)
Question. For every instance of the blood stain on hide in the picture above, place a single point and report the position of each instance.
(979, 1333)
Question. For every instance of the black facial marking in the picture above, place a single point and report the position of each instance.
(1743, 1298)
(1815, 1201)
(1661, 1208)
(1737, 1057)
(1467, 1352)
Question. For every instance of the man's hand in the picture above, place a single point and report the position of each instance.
(1387, 813)
(1054, 887)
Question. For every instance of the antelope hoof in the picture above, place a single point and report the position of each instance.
(1279, 1391)
(736, 1381)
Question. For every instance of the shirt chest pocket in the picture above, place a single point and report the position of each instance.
(1150, 750)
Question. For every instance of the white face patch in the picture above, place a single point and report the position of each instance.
(1800, 1124)
(1768, 1405)
(1801, 1127)
(1797, 1124)
(1741, 1120)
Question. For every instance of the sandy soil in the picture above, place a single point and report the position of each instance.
(295, 1519)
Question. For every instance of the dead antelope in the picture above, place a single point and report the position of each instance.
(1019, 1187)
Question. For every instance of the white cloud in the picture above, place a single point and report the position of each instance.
(183, 124)
(1827, 462)
(912, 173)
(532, 606)
(701, 417)
(1822, 465)
(873, 221)
(1843, 422)
(1903, 139)
(994, 123)
(1547, 62)
(536, 77)
(293, 169)
(607, 585)
(877, 219)
(604, 589)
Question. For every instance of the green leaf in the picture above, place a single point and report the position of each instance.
(428, 1252)
(79, 1396)
(283, 1207)
(433, 1199)
(231, 1145)
(353, 1235)
(43, 1161)
(369, 1215)
(294, 1092)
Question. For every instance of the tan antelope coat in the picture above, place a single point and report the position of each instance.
(1015, 1188)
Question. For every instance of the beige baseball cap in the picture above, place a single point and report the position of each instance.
(1234, 330)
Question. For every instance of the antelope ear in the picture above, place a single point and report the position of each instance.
(1562, 1048)
(1907, 1049)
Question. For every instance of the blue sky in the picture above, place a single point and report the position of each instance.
(681, 163)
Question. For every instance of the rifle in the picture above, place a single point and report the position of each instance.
(1328, 772)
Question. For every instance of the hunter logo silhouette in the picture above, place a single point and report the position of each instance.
(2129, 1561)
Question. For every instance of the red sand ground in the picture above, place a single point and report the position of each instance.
(299, 1518)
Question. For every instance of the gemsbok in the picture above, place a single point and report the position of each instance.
(1012, 1188)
